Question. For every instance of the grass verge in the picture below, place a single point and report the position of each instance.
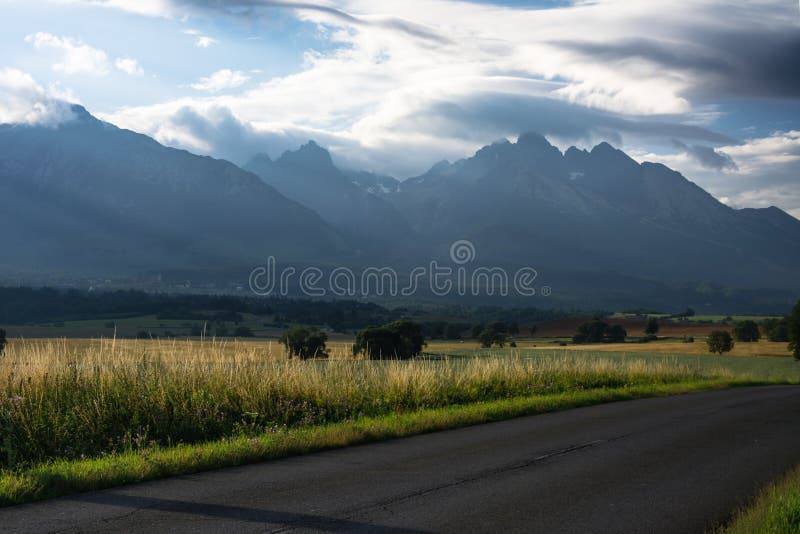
(62, 477)
(776, 510)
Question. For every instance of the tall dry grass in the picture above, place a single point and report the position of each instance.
(61, 399)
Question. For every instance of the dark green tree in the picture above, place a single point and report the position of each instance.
(490, 337)
(652, 326)
(597, 331)
(399, 340)
(746, 331)
(616, 334)
(776, 329)
(305, 343)
(592, 332)
(719, 341)
(793, 328)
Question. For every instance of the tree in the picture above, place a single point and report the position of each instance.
(400, 340)
(776, 329)
(719, 341)
(746, 331)
(533, 330)
(490, 337)
(2, 340)
(616, 334)
(596, 331)
(652, 326)
(793, 328)
(243, 331)
(591, 332)
(305, 342)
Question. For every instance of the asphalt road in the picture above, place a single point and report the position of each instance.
(676, 464)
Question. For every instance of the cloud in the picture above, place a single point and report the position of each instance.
(400, 84)
(220, 80)
(129, 66)
(204, 41)
(23, 101)
(76, 57)
(707, 156)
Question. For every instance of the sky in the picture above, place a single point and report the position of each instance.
(710, 88)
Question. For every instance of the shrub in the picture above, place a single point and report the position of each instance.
(719, 341)
(399, 340)
(2, 340)
(141, 334)
(305, 342)
(688, 339)
(746, 331)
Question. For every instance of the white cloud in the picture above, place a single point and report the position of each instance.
(220, 80)
(76, 57)
(403, 83)
(129, 66)
(23, 101)
(204, 41)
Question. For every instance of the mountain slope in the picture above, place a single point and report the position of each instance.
(526, 202)
(89, 197)
(309, 176)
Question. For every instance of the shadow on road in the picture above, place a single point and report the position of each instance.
(253, 515)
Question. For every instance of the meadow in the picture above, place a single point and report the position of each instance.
(67, 403)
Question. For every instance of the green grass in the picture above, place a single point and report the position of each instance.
(61, 477)
(79, 416)
(776, 510)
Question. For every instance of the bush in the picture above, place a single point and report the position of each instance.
(746, 331)
(399, 340)
(2, 340)
(719, 341)
(243, 331)
(688, 339)
(141, 334)
(305, 343)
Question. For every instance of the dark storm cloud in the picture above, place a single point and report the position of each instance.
(707, 156)
(761, 62)
(492, 115)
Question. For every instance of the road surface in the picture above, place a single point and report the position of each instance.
(675, 464)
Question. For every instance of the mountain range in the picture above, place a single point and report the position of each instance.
(87, 198)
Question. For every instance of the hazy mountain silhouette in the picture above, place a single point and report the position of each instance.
(309, 176)
(526, 202)
(88, 197)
